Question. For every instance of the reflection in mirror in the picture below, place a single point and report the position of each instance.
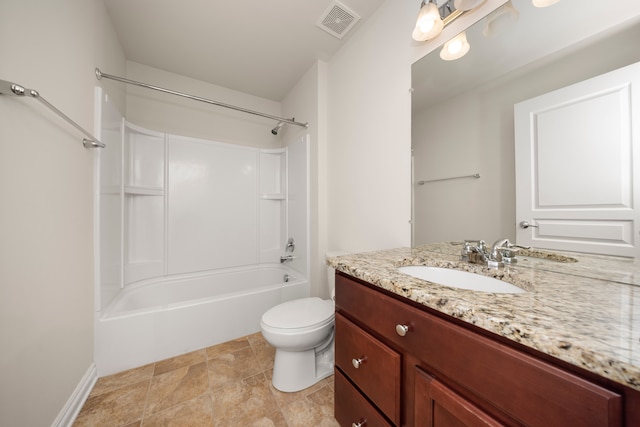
(462, 110)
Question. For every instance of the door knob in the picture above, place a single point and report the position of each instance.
(525, 224)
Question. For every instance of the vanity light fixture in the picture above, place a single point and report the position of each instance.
(544, 3)
(465, 5)
(429, 23)
(498, 21)
(455, 48)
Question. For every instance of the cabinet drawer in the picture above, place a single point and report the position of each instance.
(353, 409)
(527, 389)
(371, 365)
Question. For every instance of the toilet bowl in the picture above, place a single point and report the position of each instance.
(302, 331)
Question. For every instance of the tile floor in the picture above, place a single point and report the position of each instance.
(225, 385)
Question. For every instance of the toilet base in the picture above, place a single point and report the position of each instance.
(297, 370)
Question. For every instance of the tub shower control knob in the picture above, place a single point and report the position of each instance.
(402, 330)
(358, 362)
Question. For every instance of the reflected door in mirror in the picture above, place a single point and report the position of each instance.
(577, 175)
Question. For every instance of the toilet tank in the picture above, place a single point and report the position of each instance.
(331, 273)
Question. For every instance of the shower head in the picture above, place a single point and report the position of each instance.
(276, 129)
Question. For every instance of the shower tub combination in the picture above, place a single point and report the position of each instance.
(161, 318)
(191, 234)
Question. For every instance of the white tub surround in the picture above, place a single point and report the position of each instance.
(191, 232)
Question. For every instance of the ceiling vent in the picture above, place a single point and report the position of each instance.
(337, 20)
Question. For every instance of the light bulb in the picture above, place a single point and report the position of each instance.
(455, 48)
(544, 3)
(429, 24)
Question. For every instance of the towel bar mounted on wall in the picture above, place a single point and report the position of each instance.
(12, 89)
(475, 175)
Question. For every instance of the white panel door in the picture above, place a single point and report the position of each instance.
(575, 163)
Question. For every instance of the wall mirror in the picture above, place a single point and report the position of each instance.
(462, 110)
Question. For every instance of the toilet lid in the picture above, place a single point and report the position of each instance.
(299, 313)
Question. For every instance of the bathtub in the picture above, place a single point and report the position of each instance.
(164, 317)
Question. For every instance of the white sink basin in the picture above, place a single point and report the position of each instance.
(460, 279)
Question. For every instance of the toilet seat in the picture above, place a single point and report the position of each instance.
(298, 314)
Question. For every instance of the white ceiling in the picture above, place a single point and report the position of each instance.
(258, 47)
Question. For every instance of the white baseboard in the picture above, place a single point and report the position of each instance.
(68, 415)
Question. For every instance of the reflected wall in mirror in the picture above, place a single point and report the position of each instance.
(462, 111)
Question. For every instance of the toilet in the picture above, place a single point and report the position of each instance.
(302, 331)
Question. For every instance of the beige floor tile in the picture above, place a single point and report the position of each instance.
(177, 386)
(223, 385)
(272, 420)
(183, 360)
(246, 402)
(118, 407)
(229, 368)
(285, 399)
(228, 347)
(316, 409)
(256, 338)
(121, 379)
(196, 412)
(265, 354)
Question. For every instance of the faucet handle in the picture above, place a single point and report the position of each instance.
(291, 245)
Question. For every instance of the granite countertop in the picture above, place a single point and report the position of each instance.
(583, 309)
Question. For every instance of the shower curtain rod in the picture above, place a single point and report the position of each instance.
(100, 75)
(13, 89)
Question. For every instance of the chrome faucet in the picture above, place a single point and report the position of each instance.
(285, 258)
(502, 252)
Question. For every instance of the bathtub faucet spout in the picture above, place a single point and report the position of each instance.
(286, 258)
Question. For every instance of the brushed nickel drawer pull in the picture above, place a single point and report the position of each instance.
(402, 330)
(358, 362)
(361, 423)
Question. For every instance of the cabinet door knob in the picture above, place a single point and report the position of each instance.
(402, 330)
(361, 423)
(357, 362)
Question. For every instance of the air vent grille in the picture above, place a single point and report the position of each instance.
(337, 20)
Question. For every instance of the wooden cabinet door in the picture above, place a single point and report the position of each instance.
(438, 406)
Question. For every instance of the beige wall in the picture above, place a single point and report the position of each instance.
(369, 134)
(46, 194)
(307, 103)
(485, 208)
(181, 116)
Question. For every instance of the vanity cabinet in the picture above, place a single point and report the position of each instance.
(413, 366)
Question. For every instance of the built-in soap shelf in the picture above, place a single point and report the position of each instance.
(273, 201)
(144, 203)
(273, 197)
(136, 190)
